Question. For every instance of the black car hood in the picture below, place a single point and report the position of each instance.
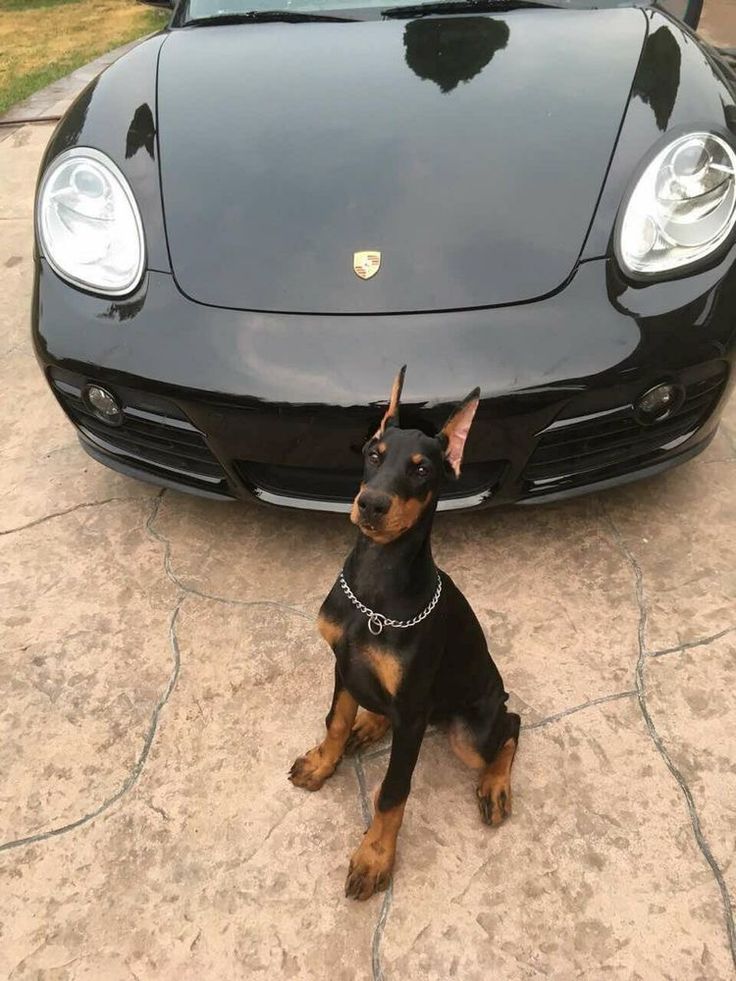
(470, 151)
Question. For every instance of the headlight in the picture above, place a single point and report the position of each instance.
(682, 208)
(89, 226)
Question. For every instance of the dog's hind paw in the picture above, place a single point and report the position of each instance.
(368, 728)
(494, 802)
(494, 786)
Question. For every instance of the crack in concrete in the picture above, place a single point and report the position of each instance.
(642, 658)
(186, 588)
(365, 804)
(30, 121)
(139, 764)
(689, 644)
(600, 700)
(69, 510)
(388, 898)
(132, 778)
(286, 814)
(158, 810)
(389, 893)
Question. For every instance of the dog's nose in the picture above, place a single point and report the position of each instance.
(373, 505)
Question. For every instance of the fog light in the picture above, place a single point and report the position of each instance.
(659, 403)
(104, 405)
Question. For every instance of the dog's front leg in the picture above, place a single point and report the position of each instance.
(311, 770)
(371, 864)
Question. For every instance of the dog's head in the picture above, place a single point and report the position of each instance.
(404, 468)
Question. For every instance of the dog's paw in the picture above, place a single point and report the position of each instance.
(311, 771)
(369, 872)
(367, 729)
(494, 798)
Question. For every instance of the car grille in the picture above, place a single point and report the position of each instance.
(340, 486)
(155, 435)
(581, 450)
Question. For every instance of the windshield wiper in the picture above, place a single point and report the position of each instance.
(462, 7)
(263, 17)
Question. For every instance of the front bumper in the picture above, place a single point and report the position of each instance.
(233, 404)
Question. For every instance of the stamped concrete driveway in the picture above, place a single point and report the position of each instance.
(160, 670)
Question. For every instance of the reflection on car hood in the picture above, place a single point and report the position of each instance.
(468, 150)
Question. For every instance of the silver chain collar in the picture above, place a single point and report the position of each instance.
(377, 621)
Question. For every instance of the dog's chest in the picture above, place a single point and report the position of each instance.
(370, 667)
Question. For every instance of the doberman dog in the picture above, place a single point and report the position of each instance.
(408, 647)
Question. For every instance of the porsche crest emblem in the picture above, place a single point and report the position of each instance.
(366, 264)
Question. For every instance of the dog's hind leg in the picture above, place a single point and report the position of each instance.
(483, 751)
(367, 729)
(494, 786)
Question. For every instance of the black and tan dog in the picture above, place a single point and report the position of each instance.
(428, 662)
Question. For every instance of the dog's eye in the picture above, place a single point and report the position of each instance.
(374, 457)
(422, 471)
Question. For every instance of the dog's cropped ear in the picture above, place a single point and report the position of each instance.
(455, 431)
(391, 416)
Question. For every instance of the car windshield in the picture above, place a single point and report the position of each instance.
(192, 11)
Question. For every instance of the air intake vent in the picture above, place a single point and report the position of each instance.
(584, 449)
(340, 487)
(154, 435)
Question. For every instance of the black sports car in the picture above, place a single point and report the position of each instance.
(250, 221)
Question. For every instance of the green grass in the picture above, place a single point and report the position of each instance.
(43, 40)
(30, 4)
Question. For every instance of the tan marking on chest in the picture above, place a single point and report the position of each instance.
(331, 631)
(386, 667)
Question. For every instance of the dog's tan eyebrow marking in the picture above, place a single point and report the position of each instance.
(381, 447)
(417, 458)
(388, 668)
